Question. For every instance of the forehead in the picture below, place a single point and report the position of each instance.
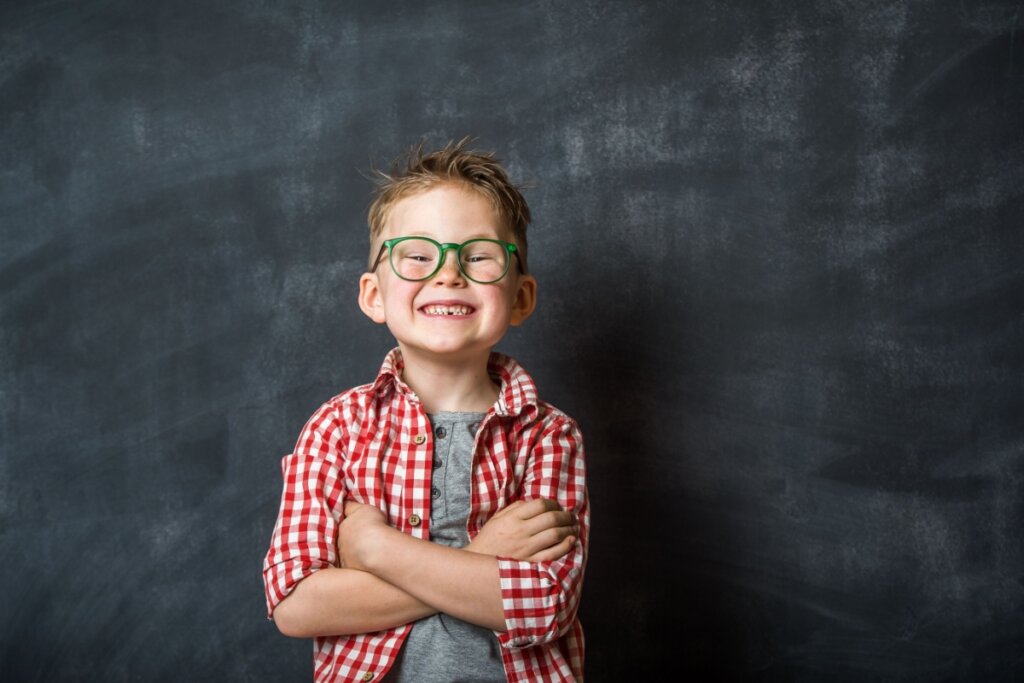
(442, 208)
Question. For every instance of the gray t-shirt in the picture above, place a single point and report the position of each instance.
(441, 648)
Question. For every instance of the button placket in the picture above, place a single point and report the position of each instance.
(439, 433)
(414, 520)
(442, 448)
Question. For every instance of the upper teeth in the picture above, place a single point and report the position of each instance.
(447, 310)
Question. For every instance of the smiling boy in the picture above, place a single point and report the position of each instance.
(434, 523)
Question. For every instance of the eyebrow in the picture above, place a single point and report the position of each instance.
(433, 236)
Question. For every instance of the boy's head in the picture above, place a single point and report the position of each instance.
(453, 164)
(447, 267)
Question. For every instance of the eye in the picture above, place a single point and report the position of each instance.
(481, 252)
(413, 254)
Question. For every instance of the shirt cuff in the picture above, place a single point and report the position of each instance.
(280, 579)
(530, 597)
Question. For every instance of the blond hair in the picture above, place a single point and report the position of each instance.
(419, 170)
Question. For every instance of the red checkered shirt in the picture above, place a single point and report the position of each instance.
(373, 444)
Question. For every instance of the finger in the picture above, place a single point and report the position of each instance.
(555, 551)
(547, 539)
(548, 520)
(538, 506)
(508, 509)
(351, 507)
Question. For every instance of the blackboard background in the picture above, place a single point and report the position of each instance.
(780, 255)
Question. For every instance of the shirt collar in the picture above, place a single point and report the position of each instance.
(516, 392)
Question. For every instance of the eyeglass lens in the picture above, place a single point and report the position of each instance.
(482, 260)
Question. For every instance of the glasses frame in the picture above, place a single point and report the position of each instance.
(444, 248)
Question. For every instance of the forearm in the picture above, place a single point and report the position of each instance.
(459, 583)
(336, 601)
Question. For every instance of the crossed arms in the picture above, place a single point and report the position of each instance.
(339, 569)
(388, 578)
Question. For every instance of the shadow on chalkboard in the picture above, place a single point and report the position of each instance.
(656, 598)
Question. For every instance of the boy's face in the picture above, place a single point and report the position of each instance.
(447, 316)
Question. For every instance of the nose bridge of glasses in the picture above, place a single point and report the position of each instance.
(454, 248)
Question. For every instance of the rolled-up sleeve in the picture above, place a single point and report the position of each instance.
(311, 505)
(540, 599)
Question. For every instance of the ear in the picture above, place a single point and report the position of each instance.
(525, 299)
(371, 299)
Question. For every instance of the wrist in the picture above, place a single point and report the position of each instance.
(373, 548)
(480, 547)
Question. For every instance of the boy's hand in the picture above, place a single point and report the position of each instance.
(534, 531)
(356, 533)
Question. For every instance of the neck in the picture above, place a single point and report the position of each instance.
(448, 386)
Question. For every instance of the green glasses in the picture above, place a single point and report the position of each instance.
(420, 258)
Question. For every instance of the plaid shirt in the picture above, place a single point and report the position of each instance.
(374, 444)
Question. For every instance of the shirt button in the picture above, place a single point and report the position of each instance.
(368, 676)
(419, 439)
(414, 520)
(435, 492)
(441, 432)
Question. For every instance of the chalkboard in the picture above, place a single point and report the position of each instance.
(779, 250)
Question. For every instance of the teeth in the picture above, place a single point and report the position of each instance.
(447, 310)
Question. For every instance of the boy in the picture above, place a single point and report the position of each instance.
(434, 523)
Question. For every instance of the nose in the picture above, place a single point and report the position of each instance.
(449, 271)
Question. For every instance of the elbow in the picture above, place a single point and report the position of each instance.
(519, 639)
(287, 628)
(550, 610)
(553, 630)
(537, 630)
(289, 622)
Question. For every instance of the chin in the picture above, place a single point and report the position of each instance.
(448, 350)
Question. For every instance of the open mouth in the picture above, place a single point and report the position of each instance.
(442, 309)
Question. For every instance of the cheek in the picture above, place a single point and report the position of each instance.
(399, 292)
(502, 303)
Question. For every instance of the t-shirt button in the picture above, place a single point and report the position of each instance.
(414, 520)
(368, 676)
(419, 439)
(441, 432)
(435, 492)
